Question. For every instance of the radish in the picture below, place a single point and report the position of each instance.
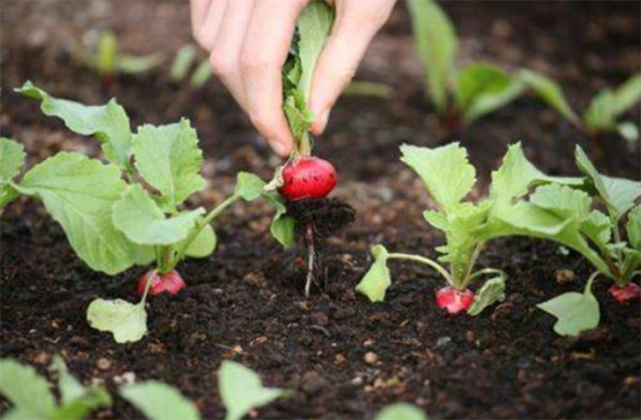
(308, 177)
(170, 282)
(623, 294)
(453, 300)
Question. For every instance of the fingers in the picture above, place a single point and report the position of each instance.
(264, 52)
(208, 31)
(225, 54)
(354, 28)
(198, 13)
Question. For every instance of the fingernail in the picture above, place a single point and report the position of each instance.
(280, 148)
(324, 120)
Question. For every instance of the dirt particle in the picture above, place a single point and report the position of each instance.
(103, 364)
(370, 358)
(339, 360)
(564, 276)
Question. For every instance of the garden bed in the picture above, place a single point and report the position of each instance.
(343, 356)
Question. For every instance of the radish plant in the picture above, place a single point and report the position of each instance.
(601, 116)
(460, 96)
(130, 211)
(31, 398)
(567, 215)
(109, 62)
(468, 226)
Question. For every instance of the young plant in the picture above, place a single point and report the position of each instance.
(159, 401)
(460, 96)
(182, 65)
(401, 411)
(242, 390)
(31, 397)
(603, 112)
(109, 62)
(567, 215)
(137, 216)
(468, 226)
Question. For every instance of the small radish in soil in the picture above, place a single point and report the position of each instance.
(308, 177)
(623, 294)
(171, 283)
(454, 301)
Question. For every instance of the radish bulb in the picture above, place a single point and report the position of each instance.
(308, 177)
(171, 283)
(623, 294)
(453, 300)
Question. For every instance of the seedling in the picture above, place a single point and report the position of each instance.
(138, 215)
(31, 397)
(460, 96)
(182, 65)
(567, 215)
(159, 401)
(109, 62)
(449, 178)
(401, 411)
(602, 113)
(242, 390)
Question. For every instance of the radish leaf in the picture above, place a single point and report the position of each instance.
(249, 186)
(627, 95)
(401, 411)
(159, 401)
(26, 390)
(492, 291)
(575, 312)
(204, 245)
(377, 280)
(550, 92)
(126, 321)
(633, 227)
(12, 157)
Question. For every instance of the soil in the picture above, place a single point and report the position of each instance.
(343, 356)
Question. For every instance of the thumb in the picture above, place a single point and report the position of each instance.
(337, 64)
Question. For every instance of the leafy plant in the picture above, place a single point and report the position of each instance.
(159, 401)
(109, 62)
(31, 397)
(603, 112)
(460, 96)
(242, 391)
(567, 216)
(468, 226)
(138, 215)
(182, 65)
(401, 411)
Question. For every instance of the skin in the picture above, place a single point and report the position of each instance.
(248, 41)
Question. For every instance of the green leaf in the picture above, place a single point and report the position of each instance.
(168, 158)
(436, 219)
(618, 194)
(492, 291)
(133, 64)
(204, 244)
(483, 88)
(376, 281)
(12, 157)
(314, 26)
(575, 312)
(70, 388)
(242, 391)
(628, 130)
(436, 43)
(300, 118)
(633, 227)
(182, 63)
(201, 75)
(283, 226)
(550, 92)
(142, 221)
(562, 201)
(159, 401)
(68, 185)
(26, 390)
(401, 411)
(598, 227)
(249, 186)
(445, 170)
(80, 408)
(109, 123)
(600, 113)
(627, 95)
(126, 321)
(107, 53)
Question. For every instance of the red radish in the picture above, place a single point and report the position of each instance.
(624, 294)
(171, 283)
(454, 301)
(308, 178)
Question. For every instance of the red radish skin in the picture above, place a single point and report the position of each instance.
(171, 283)
(623, 294)
(311, 177)
(454, 301)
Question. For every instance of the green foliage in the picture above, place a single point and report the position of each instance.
(31, 397)
(492, 291)
(159, 401)
(462, 95)
(377, 279)
(201, 75)
(182, 63)
(126, 321)
(108, 61)
(242, 390)
(12, 158)
(401, 411)
(602, 112)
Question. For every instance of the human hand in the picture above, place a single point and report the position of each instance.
(248, 42)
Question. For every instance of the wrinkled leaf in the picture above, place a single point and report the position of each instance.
(242, 390)
(168, 158)
(159, 401)
(376, 281)
(550, 92)
(445, 170)
(144, 223)
(575, 312)
(436, 44)
(109, 123)
(126, 321)
(492, 291)
(401, 411)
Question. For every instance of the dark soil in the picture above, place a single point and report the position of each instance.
(246, 302)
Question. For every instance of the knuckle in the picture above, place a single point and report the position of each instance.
(203, 38)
